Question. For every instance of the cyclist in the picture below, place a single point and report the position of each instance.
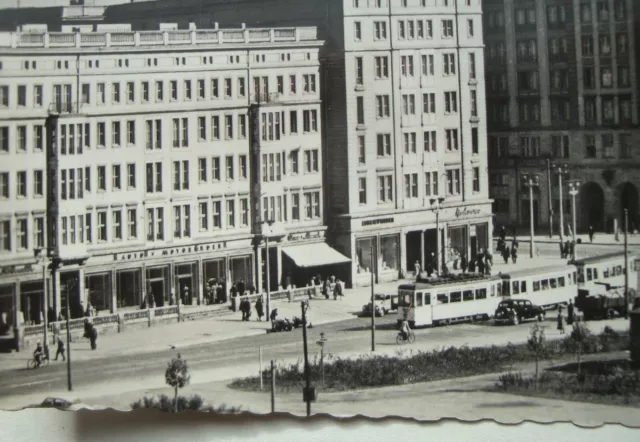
(405, 329)
(38, 354)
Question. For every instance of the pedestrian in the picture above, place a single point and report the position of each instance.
(240, 286)
(503, 233)
(561, 249)
(570, 313)
(505, 254)
(93, 337)
(480, 263)
(463, 263)
(326, 288)
(567, 246)
(260, 308)
(273, 317)
(60, 349)
(487, 268)
(572, 249)
(514, 254)
(514, 243)
(591, 234)
(472, 266)
(337, 291)
(488, 256)
(416, 268)
(243, 308)
(560, 320)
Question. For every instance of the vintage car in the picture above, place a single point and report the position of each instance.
(380, 310)
(513, 311)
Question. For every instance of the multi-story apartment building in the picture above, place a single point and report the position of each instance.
(403, 121)
(562, 85)
(150, 160)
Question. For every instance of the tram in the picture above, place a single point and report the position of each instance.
(608, 269)
(545, 287)
(443, 302)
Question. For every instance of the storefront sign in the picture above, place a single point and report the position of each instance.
(374, 222)
(466, 212)
(306, 235)
(13, 269)
(173, 251)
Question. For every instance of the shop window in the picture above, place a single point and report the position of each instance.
(364, 255)
(389, 246)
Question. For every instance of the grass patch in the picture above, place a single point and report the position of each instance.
(604, 382)
(342, 374)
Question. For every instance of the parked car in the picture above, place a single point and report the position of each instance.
(389, 301)
(380, 310)
(514, 311)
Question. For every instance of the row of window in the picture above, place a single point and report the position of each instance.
(431, 185)
(407, 66)
(407, 29)
(21, 229)
(529, 146)
(406, 3)
(22, 184)
(131, 92)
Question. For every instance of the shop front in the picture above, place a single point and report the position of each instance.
(457, 244)
(185, 283)
(380, 255)
(215, 280)
(32, 302)
(128, 288)
(303, 262)
(7, 309)
(158, 282)
(98, 287)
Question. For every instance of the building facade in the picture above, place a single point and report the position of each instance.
(150, 162)
(570, 97)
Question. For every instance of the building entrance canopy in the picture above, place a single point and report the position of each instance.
(314, 255)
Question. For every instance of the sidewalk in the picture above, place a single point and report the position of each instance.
(599, 239)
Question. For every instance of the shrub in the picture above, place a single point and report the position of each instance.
(193, 403)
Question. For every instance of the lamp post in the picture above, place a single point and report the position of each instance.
(574, 188)
(531, 181)
(437, 202)
(41, 255)
(550, 199)
(626, 265)
(560, 169)
(269, 223)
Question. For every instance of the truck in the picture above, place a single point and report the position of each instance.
(601, 303)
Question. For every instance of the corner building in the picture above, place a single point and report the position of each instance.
(562, 85)
(169, 150)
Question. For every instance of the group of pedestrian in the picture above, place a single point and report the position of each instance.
(570, 316)
(567, 249)
(331, 286)
(245, 308)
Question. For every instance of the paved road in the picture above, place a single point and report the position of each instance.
(224, 360)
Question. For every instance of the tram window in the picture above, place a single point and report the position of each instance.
(467, 295)
(553, 282)
(443, 298)
(595, 273)
(580, 276)
(545, 284)
(561, 281)
(493, 290)
(405, 300)
(574, 277)
(605, 274)
(418, 299)
(516, 288)
(619, 269)
(523, 287)
(481, 294)
(536, 286)
(427, 299)
(456, 296)
(499, 288)
(589, 274)
(506, 289)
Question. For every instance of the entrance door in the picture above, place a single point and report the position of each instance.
(156, 286)
(413, 250)
(185, 285)
(474, 246)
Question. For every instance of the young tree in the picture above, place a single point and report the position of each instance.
(177, 376)
(580, 334)
(537, 344)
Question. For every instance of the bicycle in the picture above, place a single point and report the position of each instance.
(31, 363)
(410, 339)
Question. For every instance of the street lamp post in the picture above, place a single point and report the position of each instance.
(549, 197)
(560, 169)
(626, 266)
(266, 241)
(436, 208)
(531, 181)
(574, 186)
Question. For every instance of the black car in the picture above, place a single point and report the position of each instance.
(515, 310)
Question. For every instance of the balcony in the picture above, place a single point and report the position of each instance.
(194, 37)
(270, 98)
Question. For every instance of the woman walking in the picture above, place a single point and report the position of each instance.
(560, 320)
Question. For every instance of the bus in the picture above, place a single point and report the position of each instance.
(545, 287)
(441, 303)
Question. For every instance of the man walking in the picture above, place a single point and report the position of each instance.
(60, 349)
(591, 233)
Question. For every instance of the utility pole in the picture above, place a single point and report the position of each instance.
(70, 285)
(549, 196)
(373, 315)
(321, 344)
(307, 391)
(261, 384)
(273, 387)
(626, 267)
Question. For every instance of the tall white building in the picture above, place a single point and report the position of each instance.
(170, 148)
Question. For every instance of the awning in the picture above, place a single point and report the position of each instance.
(314, 255)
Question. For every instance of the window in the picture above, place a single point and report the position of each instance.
(429, 141)
(4, 185)
(560, 146)
(449, 64)
(131, 176)
(406, 65)
(625, 146)
(21, 231)
(382, 67)
(411, 185)
(22, 138)
(359, 74)
(530, 146)
(231, 213)
(115, 92)
(243, 166)
(102, 226)
(182, 221)
(4, 139)
(145, 91)
(181, 175)
(180, 132)
(451, 136)
(384, 145)
(382, 106)
(215, 91)
(173, 84)
(159, 91)
(155, 224)
(385, 189)
(623, 76)
(311, 161)
(606, 77)
(242, 125)
(587, 45)
(361, 150)
(228, 88)
(590, 146)
(431, 183)
(229, 168)
(295, 207)
(357, 31)
(450, 102)
(309, 83)
(472, 66)
(362, 190)
(379, 30)
(447, 28)
(22, 95)
(427, 65)
(453, 182)
(605, 45)
(401, 30)
(5, 235)
(408, 104)
(476, 179)
(474, 103)
(37, 95)
(115, 177)
(310, 120)
(38, 232)
(203, 216)
(607, 146)
(215, 169)
(132, 224)
(241, 87)
(21, 179)
(470, 28)
(429, 103)
(187, 90)
(409, 139)
(38, 184)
